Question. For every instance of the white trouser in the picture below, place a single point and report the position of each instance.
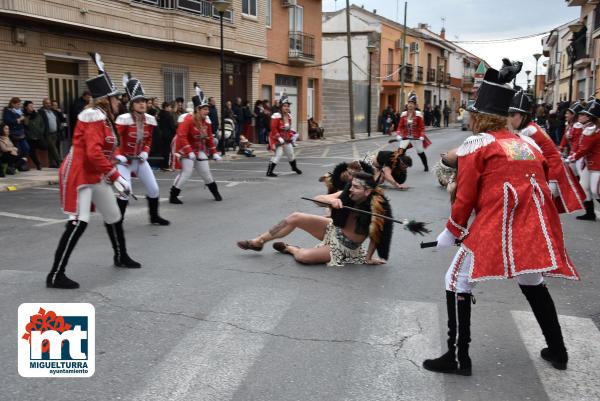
(188, 165)
(417, 144)
(577, 166)
(288, 149)
(144, 173)
(590, 180)
(103, 197)
(457, 276)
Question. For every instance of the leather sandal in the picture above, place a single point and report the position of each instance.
(247, 245)
(281, 247)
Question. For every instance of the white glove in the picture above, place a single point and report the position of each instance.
(422, 138)
(122, 186)
(121, 159)
(571, 158)
(281, 141)
(192, 156)
(143, 156)
(554, 189)
(399, 138)
(216, 157)
(445, 239)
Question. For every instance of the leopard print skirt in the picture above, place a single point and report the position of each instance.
(342, 250)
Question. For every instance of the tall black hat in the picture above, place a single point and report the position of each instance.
(593, 109)
(133, 88)
(412, 97)
(101, 85)
(199, 100)
(576, 108)
(494, 96)
(521, 103)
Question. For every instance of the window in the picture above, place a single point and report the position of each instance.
(296, 19)
(268, 13)
(175, 82)
(249, 7)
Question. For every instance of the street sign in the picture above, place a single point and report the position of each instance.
(481, 69)
(479, 74)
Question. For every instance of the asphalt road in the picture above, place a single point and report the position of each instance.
(203, 320)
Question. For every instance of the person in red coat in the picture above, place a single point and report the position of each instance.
(516, 231)
(411, 130)
(566, 191)
(588, 152)
(572, 136)
(86, 179)
(135, 138)
(282, 137)
(192, 146)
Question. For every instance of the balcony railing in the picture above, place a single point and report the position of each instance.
(408, 73)
(468, 80)
(202, 8)
(302, 47)
(393, 72)
(419, 74)
(431, 75)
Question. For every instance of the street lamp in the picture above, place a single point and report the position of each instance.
(221, 6)
(537, 57)
(371, 49)
(528, 80)
(572, 53)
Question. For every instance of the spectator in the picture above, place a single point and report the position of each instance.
(123, 104)
(446, 112)
(9, 153)
(178, 109)
(274, 108)
(239, 118)
(229, 111)
(259, 121)
(437, 116)
(14, 118)
(152, 106)
(167, 127)
(428, 115)
(267, 118)
(34, 132)
(78, 105)
(387, 120)
(213, 114)
(314, 131)
(63, 124)
(52, 125)
(247, 116)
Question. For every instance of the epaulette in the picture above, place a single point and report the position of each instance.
(404, 113)
(275, 116)
(91, 115)
(528, 131)
(150, 119)
(474, 143)
(124, 119)
(589, 131)
(578, 125)
(418, 113)
(182, 117)
(531, 142)
(207, 120)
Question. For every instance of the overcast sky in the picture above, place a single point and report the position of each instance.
(481, 20)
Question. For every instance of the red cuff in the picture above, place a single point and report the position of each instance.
(456, 229)
(113, 175)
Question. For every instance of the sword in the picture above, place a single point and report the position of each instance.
(415, 227)
(121, 190)
(410, 138)
(433, 244)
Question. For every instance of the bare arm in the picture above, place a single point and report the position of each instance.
(332, 200)
(370, 252)
(387, 174)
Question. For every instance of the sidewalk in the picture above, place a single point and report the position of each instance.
(49, 176)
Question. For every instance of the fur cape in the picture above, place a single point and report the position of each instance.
(378, 230)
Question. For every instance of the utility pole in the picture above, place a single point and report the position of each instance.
(350, 89)
(403, 67)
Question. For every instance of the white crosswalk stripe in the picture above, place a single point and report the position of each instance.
(407, 332)
(581, 380)
(210, 363)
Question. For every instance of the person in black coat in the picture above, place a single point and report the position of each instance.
(77, 107)
(167, 128)
(213, 114)
(236, 107)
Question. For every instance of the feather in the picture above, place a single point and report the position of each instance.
(98, 60)
(126, 78)
(198, 90)
(474, 143)
(417, 227)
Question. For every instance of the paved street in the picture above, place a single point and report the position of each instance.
(203, 320)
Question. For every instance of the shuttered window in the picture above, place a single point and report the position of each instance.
(175, 82)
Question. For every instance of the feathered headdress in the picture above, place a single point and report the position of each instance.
(199, 100)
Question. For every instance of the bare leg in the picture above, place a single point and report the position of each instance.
(310, 256)
(312, 224)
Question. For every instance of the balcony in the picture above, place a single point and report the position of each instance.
(302, 48)
(431, 75)
(393, 73)
(202, 8)
(419, 77)
(468, 79)
(447, 79)
(408, 73)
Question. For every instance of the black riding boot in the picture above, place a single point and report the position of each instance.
(545, 313)
(423, 158)
(173, 198)
(590, 213)
(215, 191)
(117, 239)
(123, 203)
(456, 360)
(295, 167)
(270, 170)
(57, 278)
(153, 211)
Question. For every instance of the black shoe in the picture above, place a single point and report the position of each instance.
(117, 240)
(125, 261)
(558, 360)
(423, 158)
(60, 280)
(447, 364)
(153, 211)
(590, 213)
(214, 190)
(173, 198)
(270, 170)
(23, 167)
(10, 171)
(295, 167)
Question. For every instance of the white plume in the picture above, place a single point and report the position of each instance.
(198, 90)
(126, 78)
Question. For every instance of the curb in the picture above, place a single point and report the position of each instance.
(12, 187)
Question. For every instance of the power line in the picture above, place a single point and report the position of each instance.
(483, 41)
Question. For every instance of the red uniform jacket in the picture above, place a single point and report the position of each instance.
(280, 130)
(129, 144)
(571, 194)
(415, 130)
(90, 159)
(574, 136)
(516, 228)
(192, 137)
(589, 148)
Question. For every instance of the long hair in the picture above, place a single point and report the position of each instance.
(103, 104)
(488, 122)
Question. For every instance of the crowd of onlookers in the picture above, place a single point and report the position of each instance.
(26, 129)
(432, 117)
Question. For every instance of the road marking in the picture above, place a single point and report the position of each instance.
(45, 189)
(581, 380)
(355, 153)
(408, 333)
(232, 184)
(28, 217)
(325, 152)
(209, 363)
